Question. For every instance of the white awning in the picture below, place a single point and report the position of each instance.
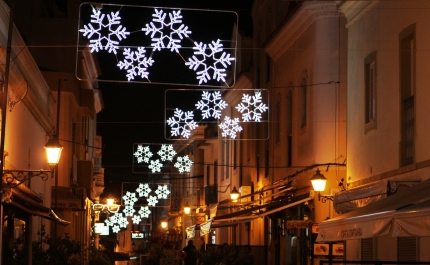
(375, 219)
(412, 221)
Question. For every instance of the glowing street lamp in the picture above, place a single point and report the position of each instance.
(53, 150)
(234, 195)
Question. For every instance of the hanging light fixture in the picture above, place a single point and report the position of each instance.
(318, 182)
(164, 223)
(187, 208)
(234, 195)
(53, 150)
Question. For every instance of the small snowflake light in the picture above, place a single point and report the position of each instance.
(115, 229)
(123, 222)
(143, 190)
(230, 127)
(162, 192)
(136, 219)
(143, 154)
(97, 25)
(144, 211)
(203, 54)
(252, 107)
(152, 200)
(183, 164)
(182, 123)
(129, 210)
(211, 104)
(136, 63)
(155, 166)
(129, 198)
(166, 152)
(109, 222)
(161, 30)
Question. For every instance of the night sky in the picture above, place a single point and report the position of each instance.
(134, 112)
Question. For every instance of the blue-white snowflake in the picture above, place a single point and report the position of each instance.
(136, 63)
(203, 52)
(136, 219)
(129, 210)
(166, 152)
(162, 192)
(252, 107)
(116, 31)
(182, 123)
(230, 127)
(144, 211)
(152, 200)
(155, 166)
(183, 164)
(177, 30)
(211, 104)
(129, 198)
(143, 154)
(143, 190)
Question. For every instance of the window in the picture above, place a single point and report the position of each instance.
(407, 87)
(290, 127)
(303, 101)
(268, 68)
(277, 126)
(407, 248)
(370, 90)
(367, 249)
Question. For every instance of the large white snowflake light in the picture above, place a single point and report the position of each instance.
(152, 200)
(157, 28)
(97, 25)
(143, 154)
(166, 152)
(123, 222)
(252, 107)
(230, 127)
(155, 166)
(116, 228)
(182, 123)
(143, 190)
(109, 222)
(136, 219)
(129, 210)
(144, 211)
(136, 63)
(211, 104)
(162, 192)
(129, 198)
(204, 53)
(183, 164)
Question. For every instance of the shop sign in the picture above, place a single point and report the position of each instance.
(299, 224)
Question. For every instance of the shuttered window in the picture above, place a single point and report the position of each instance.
(367, 249)
(407, 249)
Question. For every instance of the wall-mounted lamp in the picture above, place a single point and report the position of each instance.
(318, 182)
(14, 178)
(187, 208)
(234, 195)
(164, 223)
(53, 150)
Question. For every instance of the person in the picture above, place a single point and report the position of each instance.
(190, 253)
(202, 249)
(247, 258)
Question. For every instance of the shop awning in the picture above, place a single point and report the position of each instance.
(412, 221)
(375, 219)
(34, 208)
(255, 212)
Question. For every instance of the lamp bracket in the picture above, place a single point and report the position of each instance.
(324, 198)
(14, 178)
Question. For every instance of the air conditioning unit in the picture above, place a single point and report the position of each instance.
(211, 195)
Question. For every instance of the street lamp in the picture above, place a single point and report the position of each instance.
(53, 150)
(234, 195)
(164, 223)
(318, 182)
(187, 208)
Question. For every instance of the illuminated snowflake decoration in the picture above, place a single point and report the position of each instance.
(143, 190)
(162, 192)
(252, 107)
(182, 123)
(95, 27)
(136, 219)
(155, 166)
(158, 27)
(115, 229)
(144, 211)
(211, 104)
(129, 198)
(204, 53)
(230, 127)
(143, 154)
(109, 222)
(166, 152)
(183, 164)
(152, 200)
(123, 222)
(129, 210)
(136, 63)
